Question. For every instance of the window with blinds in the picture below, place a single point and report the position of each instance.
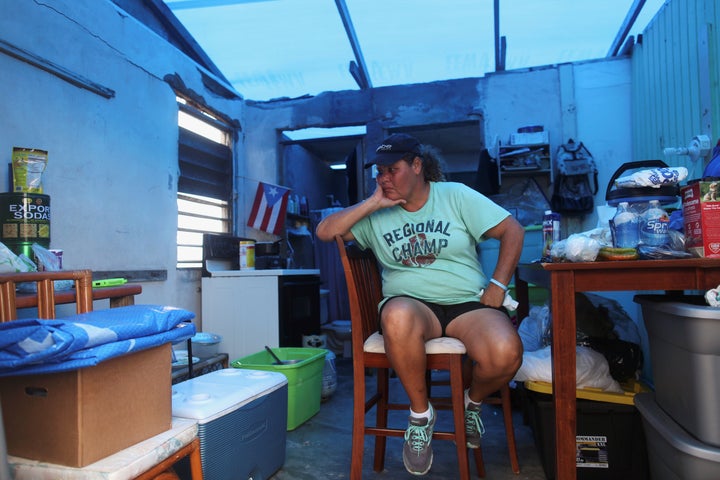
(205, 186)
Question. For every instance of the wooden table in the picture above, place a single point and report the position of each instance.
(119, 296)
(563, 280)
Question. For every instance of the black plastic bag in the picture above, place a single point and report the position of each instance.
(624, 358)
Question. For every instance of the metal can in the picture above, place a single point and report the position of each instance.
(247, 255)
(24, 220)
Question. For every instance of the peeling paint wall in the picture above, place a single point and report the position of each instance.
(113, 162)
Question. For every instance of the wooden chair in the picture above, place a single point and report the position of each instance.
(364, 286)
(45, 282)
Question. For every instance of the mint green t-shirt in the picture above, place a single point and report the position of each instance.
(431, 254)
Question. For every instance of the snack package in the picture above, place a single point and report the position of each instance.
(28, 164)
(46, 261)
(11, 263)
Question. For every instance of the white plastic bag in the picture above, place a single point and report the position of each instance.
(591, 367)
(653, 177)
(578, 247)
(532, 329)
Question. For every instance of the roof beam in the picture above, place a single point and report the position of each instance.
(187, 43)
(627, 24)
(358, 69)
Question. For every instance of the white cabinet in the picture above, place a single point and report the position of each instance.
(243, 311)
(251, 309)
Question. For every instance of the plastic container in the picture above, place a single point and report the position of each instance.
(551, 231)
(624, 227)
(684, 341)
(674, 454)
(304, 378)
(610, 440)
(536, 295)
(329, 381)
(25, 220)
(655, 225)
(246, 254)
(531, 251)
(205, 345)
(241, 421)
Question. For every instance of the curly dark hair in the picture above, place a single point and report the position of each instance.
(432, 163)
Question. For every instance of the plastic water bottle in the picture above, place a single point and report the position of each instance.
(624, 227)
(291, 207)
(551, 231)
(654, 226)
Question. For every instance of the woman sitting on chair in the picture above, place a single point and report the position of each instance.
(424, 232)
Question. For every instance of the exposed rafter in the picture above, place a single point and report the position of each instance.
(186, 41)
(625, 27)
(358, 69)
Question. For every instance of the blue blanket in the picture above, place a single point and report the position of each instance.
(44, 346)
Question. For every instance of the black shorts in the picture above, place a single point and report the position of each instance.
(444, 313)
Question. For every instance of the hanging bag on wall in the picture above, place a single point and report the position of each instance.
(572, 194)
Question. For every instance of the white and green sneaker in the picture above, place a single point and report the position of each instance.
(417, 452)
(474, 428)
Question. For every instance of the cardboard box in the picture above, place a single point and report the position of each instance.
(701, 217)
(76, 418)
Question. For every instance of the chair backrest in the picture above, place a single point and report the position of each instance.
(364, 285)
(45, 281)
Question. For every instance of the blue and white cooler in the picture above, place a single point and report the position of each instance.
(242, 418)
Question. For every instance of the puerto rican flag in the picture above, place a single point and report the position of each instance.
(268, 210)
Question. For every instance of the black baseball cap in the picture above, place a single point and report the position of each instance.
(393, 148)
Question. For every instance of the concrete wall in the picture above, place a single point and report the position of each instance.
(586, 101)
(113, 170)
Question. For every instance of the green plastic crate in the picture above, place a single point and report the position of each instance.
(304, 378)
(536, 295)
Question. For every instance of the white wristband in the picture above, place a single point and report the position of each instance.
(504, 287)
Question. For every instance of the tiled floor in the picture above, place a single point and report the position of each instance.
(320, 448)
